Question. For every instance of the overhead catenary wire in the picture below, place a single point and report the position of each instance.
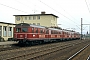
(22, 3)
(55, 10)
(45, 4)
(29, 7)
(12, 8)
(87, 6)
(66, 11)
(58, 12)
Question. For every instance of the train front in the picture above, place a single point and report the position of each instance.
(20, 32)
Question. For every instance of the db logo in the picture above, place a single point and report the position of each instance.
(20, 35)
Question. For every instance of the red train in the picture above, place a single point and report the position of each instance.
(30, 34)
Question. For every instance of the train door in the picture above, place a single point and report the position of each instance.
(47, 33)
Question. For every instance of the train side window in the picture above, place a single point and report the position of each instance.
(55, 32)
(41, 30)
(51, 32)
(36, 30)
(32, 30)
(18, 29)
(47, 31)
(59, 32)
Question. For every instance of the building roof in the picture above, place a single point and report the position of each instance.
(36, 15)
(7, 23)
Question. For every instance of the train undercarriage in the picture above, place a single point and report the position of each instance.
(42, 41)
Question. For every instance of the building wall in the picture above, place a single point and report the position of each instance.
(45, 20)
(53, 21)
(6, 30)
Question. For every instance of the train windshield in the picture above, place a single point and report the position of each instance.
(24, 29)
(21, 29)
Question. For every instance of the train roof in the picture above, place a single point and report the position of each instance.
(28, 25)
(54, 29)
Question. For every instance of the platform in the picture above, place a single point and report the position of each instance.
(8, 43)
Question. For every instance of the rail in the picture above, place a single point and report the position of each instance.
(88, 57)
(70, 58)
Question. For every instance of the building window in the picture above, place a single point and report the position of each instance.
(38, 17)
(0, 30)
(34, 17)
(9, 31)
(4, 31)
(38, 23)
(25, 18)
(34, 24)
(30, 18)
(17, 18)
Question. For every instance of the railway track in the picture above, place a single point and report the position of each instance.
(76, 54)
(66, 53)
(43, 54)
(38, 52)
(88, 57)
(26, 50)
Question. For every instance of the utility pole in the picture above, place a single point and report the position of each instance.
(81, 28)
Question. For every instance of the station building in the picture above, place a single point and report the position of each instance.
(42, 19)
(6, 30)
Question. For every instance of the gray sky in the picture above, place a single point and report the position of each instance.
(70, 12)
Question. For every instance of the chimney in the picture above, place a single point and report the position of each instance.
(43, 12)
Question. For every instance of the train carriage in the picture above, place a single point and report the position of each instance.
(30, 34)
(55, 34)
(25, 32)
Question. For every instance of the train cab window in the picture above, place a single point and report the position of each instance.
(41, 30)
(18, 29)
(24, 29)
